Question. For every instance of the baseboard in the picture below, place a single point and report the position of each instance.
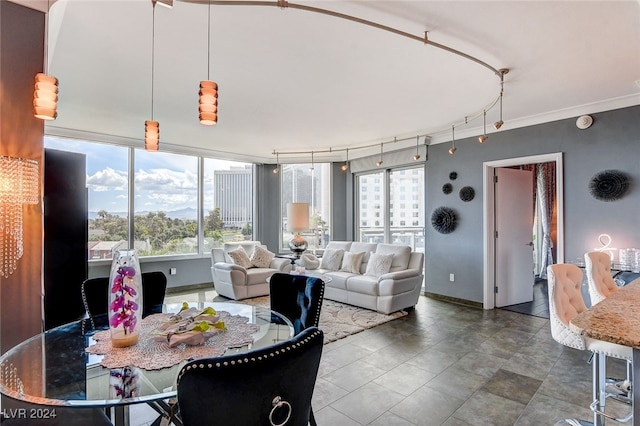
(455, 300)
(189, 287)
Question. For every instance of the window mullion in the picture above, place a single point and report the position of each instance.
(131, 198)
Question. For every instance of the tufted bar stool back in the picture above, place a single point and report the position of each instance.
(598, 268)
(565, 303)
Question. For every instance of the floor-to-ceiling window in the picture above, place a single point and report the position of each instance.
(390, 206)
(165, 203)
(170, 194)
(311, 184)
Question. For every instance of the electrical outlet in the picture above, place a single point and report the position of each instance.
(172, 271)
(452, 277)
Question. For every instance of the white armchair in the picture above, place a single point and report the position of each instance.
(243, 273)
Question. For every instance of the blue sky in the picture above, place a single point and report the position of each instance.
(164, 181)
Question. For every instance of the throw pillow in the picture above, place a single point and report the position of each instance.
(261, 257)
(240, 257)
(351, 262)
(332, 259)
(379, 264)
(309, 261)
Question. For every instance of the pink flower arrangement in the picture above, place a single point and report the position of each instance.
(124, 310)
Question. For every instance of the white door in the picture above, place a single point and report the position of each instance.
(514, 224)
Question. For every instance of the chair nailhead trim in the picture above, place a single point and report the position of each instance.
(223, 363)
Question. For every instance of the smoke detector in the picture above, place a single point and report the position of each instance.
(584, 122)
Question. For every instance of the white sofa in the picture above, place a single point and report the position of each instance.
(236, 280)
(383, 290)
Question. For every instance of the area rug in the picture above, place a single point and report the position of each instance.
(338, 320)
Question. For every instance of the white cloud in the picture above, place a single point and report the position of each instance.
(108, 179)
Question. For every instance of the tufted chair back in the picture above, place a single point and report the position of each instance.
(267, 386)
(601, 284)
(565, 302)
(297, 297)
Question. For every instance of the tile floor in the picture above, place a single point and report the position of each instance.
(446, 364)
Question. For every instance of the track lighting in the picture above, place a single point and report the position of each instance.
(277, 168)
(484, 137)
(345, 166)
(453, 148)
(417, 156)
(499, 123)
(379, 162)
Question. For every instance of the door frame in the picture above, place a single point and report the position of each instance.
(489, 215)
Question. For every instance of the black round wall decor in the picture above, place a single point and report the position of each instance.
(609, 185)
(453, 175)
(467, 193)
(443, 220)
(447, 188)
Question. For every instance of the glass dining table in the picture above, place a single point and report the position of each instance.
(56, 369)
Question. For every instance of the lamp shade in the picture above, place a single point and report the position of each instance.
(297, 217)
(45, 97)
(208, 103)
(151, 135)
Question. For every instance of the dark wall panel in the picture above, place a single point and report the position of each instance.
(65, 236)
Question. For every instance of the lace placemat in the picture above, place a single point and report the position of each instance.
(151, 353)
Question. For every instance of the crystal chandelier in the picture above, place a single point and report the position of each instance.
(19, 183)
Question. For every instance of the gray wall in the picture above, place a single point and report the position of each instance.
(612, 142)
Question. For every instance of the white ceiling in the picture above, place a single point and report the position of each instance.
(292, 80)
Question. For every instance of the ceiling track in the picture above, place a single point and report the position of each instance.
(282, 4)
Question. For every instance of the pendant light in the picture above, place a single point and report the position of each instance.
(208, 96)
(484, 137)
(417, 156)
(277, 168)
(345, 166)
(152, 127)
(45, 94)
(453, 148)
(312, 163)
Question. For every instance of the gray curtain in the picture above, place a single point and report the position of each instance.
(545, 184)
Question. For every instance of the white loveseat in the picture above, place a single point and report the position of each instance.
(362, 276)
(235, 278)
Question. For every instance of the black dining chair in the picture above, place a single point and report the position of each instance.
(267, 386)
(154, 288)
(95, 298)
(297, 297)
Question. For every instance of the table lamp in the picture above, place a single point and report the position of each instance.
(297, 221)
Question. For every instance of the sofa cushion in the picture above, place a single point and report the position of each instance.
(332, 259)
(248, 247)
(338, 279)
(259, 275)
(239, 257)
(363, 284)
(339, 245)
(351, 262)
(367, 248)
(261, 257)
(401, 255)
(379, 264)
